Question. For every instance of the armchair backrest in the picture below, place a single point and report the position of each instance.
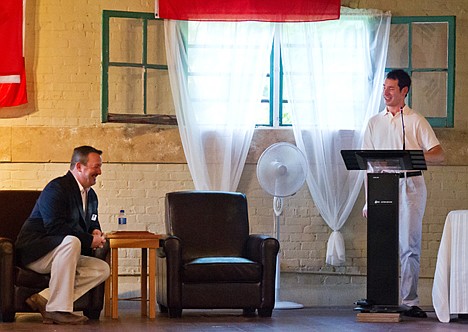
(209, 223)
(16, 206)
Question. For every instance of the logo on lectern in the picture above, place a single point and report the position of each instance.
(383, 202)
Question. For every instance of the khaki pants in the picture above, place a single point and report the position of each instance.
(413, 196)
(72, 274)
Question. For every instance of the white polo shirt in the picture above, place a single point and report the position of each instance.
(385, 132)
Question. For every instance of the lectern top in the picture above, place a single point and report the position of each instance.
(401, 159)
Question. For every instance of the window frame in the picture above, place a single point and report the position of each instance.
(106, 115)
(437, 122)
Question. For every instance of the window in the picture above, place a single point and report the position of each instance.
(425, 47)
(276, 113)
(136, 89)
(135, 79)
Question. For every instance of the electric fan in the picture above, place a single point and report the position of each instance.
(281, 172)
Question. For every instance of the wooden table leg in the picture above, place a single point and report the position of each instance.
(107, 290)
(152, 283)
(107, 296)
(115, 282)
(144, 273)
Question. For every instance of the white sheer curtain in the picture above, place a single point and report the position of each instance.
(334, 74)
(217, 73)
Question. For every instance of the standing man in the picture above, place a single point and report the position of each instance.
(398, 127)
(59, 236)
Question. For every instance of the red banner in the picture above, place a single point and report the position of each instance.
(11, 36)
(12, 70)
(250, 10)
(14, 94)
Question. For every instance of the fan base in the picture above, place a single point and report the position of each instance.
(281, 305)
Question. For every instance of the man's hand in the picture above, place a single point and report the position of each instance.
(364, 211)
(435, 156)
(98, 239)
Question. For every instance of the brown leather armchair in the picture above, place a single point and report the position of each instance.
(16, 283)
(208, 260)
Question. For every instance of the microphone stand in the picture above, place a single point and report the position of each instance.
(403, 127)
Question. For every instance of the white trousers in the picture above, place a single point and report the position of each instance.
(72, 274)
(413, 196)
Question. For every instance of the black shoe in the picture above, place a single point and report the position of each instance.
(415, 311)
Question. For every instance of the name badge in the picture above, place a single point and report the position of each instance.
(94, 217)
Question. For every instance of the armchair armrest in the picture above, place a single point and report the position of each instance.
(264, 250)
(7, 260)
(261, 247)
(161, 253)
(6, 247)
(170, 247)
(169, 258)
(7, 275)
(171, 250)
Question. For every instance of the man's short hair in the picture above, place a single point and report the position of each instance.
(401, 76)
(80, 154)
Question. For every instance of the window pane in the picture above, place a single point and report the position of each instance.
(125, 90)
(287, 114)
(430, 93)
(218, 88)
(263, 114)
(156, 50)
(159, 96)
(398, 46)
(286, 108)
(430, 45)
(125, 40)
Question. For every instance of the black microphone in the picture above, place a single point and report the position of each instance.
(403, 126)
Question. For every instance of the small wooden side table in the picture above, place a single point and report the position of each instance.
(132, 239)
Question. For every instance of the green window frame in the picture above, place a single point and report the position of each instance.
(273, 96)
(274, 91)
(428, 78)
(144, 72)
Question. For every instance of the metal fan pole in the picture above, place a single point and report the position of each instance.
(278, 208)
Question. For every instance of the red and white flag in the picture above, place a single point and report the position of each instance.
(12, 70)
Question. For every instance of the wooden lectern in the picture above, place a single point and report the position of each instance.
(384, 168)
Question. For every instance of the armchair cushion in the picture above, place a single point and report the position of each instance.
(221, 269)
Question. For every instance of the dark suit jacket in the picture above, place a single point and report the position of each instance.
(58, 212)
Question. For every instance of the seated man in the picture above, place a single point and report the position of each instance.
(59, 236)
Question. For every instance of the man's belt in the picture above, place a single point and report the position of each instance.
(410, 174)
